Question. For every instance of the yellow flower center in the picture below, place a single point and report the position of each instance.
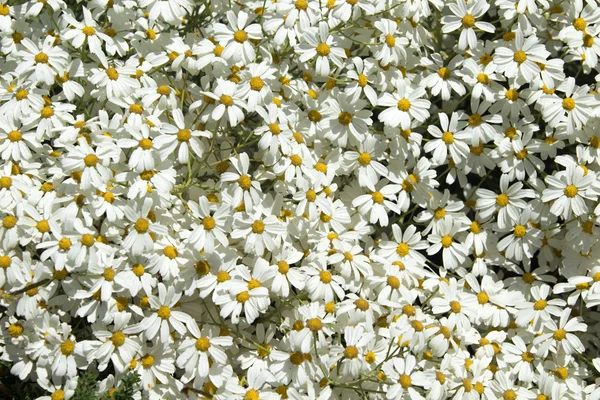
(482, 78)
(377, 197)
(580, 24)
(256, 83)
(404, 105)
(258, 227)
(203, 344)
(520, 57)
(345, 118)
(108, 274)
(390, 40)
(446, 241)
(223, 276)
(405, 381)
(571, 191)
(509, 395)
(362, 80)
(41, 58)
(43, 226)
(483, 298)
(475, 120)
(364, 159)
(444, 73)
(351, 352)
(21, 94)
(46, 112)
(325, 276)
(15, 136)
(118, 338)
(142, 225)
(468, 21)
(502, 200)
(296, 160)
(226, 100)
(568, 104)
(540, 305)
(448, 138)
(164, 312)
(145, 144)
(112, 74)
(67, 347)
(147, 361)
(240, 36)
(9, 222)
(15, 330)
(393, 282)
(455, 307)
(242, 297)
(560, 334)
(170, 252)
(163, 90)
(512, 95)
(88, 30)
(90, 160)
(323, 49)
(520, 231)
(361, 304)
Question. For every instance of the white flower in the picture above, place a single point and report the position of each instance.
(465, 17)
(568, 191)
(236, 37)
(319, 44)
(404, 106)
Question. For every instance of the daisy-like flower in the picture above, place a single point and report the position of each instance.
(562, 335)
(89, 164)
(392, 49)
(377, 204)
(465, 18)
(179, 137)
(453, 253)
(236, 37)
(157, 362)
(321, 283)
(451, 139)
(115, 346)
(521, 58)
(507, 204)
(139, 240)
(524, 239)
(320, 44)
(17, 143)
(211, 226)
(406, 376)
(348, 118)
(164, 317)
(365, 160)
(355, 338)
(88, 30)
(245, 189)
(405, 245)
(442, 80)
(568, 191)
(248, 296)
(42, 63)
(261, 231)
(197, 353)
(116, 80)
(539, 309)
(404, 105)
(230, 107)
(573, 111)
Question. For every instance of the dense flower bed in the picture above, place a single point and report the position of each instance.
(300, 198)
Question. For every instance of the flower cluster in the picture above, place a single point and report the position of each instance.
(302, 198)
